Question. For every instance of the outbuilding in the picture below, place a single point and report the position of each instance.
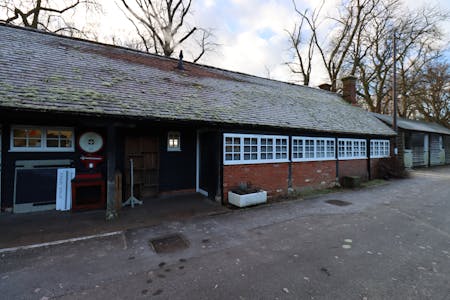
(422, 144)
(76, 114)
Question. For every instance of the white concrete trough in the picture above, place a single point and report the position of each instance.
(247, 199)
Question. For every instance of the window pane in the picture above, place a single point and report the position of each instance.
(20, 142)
(22, 133)
(52, 143)
(53, 134)
(348, 149)
(320, 148)
(309, 148)
(34, 143)
(330, 149)
(66, 143)
(34, 133)
(363, 149)
(266, 148)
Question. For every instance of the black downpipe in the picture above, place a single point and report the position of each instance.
(290, 165)
(336, 150)
(369, 171)
(221, 146)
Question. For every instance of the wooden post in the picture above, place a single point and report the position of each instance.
(111, 212)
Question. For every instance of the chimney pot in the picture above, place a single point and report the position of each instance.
(349, 89)
(180, 61)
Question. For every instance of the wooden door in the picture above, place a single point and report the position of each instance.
(144, 150)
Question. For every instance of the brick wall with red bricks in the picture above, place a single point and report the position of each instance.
(353, 167)
(378, 167)
(313, 174)
(272, 178)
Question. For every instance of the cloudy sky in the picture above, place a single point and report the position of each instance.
(251, 33)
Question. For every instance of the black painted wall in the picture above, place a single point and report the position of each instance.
(80, 125)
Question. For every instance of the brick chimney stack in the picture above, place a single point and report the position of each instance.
(349, 89)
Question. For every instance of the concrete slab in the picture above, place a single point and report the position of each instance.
(43, 227)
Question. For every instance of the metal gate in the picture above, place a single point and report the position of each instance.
(417, 145)
(435, 149)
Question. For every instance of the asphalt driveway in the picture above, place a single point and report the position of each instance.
(391, 242)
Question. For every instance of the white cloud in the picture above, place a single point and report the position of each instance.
(251, 33)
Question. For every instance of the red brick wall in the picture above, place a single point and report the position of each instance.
(313, 174)
(353, 167)
(272, 178)
(375, 169)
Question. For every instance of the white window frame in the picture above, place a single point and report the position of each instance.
(382, 146)
(176, 134)
(43, 147)
(315, 152)
(258, 159)
(353, 149)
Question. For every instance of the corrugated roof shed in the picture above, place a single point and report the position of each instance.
(45, 72)
(414, 125)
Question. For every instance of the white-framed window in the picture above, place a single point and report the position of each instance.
(254, 149)
(352, 149)
(312, 148)
(173, 141)
(380, 148)
(41, 139)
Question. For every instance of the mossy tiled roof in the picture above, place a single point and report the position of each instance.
(45, 72)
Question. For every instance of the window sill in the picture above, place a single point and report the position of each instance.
(312, 159)
(253, 162)
(41, 150)
(352, 158)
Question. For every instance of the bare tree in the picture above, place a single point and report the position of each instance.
(161, 27)
(416, 34)
(303, 51)
(48, 15)
(433, 93)
(373, 55)
(345, 28)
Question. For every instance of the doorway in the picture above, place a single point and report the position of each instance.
(208, 163)
(144, 151)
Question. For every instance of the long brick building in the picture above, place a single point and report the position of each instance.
(72, 104)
